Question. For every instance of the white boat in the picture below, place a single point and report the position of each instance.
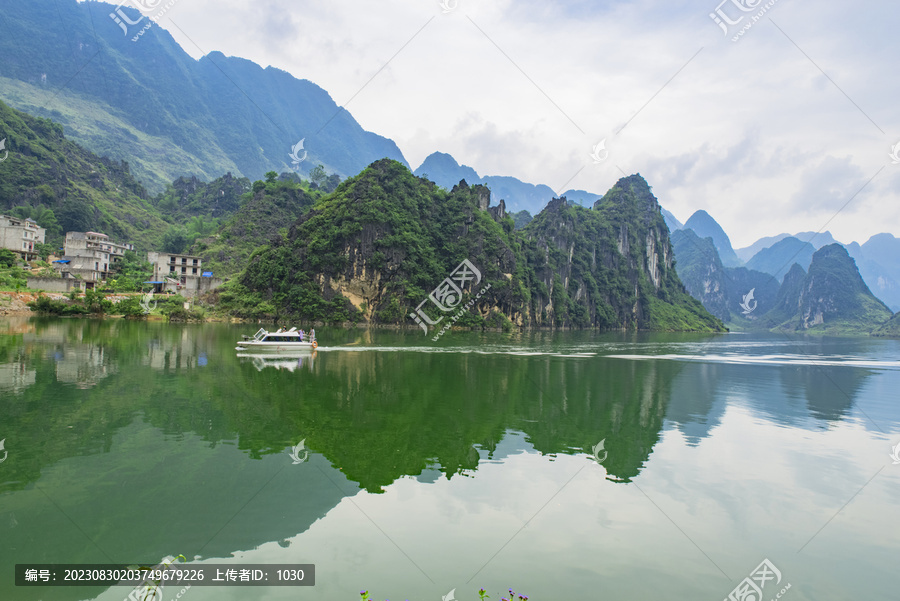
(282, 340)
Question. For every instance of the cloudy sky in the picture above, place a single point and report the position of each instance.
(788, 128)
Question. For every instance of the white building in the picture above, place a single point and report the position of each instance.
(177, 267)
(21, 236)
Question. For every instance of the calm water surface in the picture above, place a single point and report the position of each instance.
(472, 462)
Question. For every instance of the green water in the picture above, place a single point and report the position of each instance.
(461, 464)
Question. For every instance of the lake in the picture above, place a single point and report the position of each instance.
(564, 466)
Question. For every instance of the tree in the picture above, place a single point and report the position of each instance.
(43, 216)
(76, 215)
(44, 250)
(318, 176)
(331, 183)
(131, 273)
(7, 257)
(271, 176)
(176, 239)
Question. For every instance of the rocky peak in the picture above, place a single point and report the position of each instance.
(498, 212)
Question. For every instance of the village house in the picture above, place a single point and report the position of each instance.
(21, 236)
(90, 255)
(181, 273)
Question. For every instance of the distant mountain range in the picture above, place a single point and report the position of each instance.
(442, 169)
(830, 298)
(878, 260)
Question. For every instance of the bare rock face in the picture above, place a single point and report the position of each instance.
(498, 212)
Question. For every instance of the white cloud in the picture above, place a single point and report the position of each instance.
(751, 131)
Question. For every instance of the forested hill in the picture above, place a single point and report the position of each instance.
(375, 248)
(70, 186)
(149, 103)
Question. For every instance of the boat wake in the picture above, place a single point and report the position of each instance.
(793, 360)
(523, 352)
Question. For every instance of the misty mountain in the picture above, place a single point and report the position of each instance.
(817, 239)
(706, 227)
(879, 264)
(671, 221)
(149, 103)
(831, 297)
(878, 260)
(581, 197)
(721, 289)
(442, 169)
(778, 258)
(747, 253)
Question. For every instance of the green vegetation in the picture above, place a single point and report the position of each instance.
(890, 329)
(96, 303)
(376, 247)
(66, 188)
(91, 303)
(44, 217)
(130, 273)
(593, 267)
(371, 250)
(521, 218)
(832, 298)
(166, 113)
(264, 213)
(8, 258)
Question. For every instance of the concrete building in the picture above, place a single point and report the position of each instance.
(179, 267)
(21, 236)
(83, 243)
(90, 255)
(182, 274)
(90, 265)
